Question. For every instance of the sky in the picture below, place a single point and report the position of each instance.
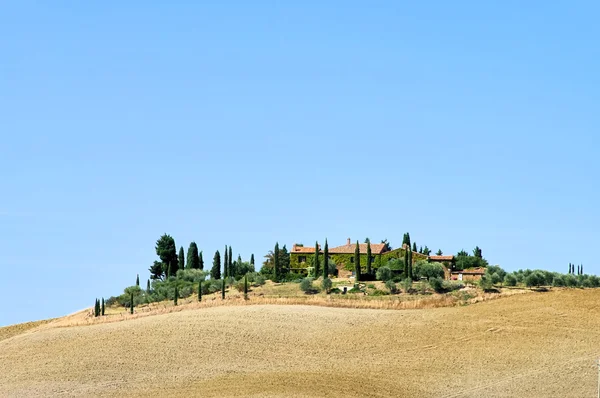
(246, 123)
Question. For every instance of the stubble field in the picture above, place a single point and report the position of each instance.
(527, 345)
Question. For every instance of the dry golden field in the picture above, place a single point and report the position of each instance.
(525, 345)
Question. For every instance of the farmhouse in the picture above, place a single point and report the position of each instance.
(301, 257)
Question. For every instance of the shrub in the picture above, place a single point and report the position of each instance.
(495, 269)
(510, 280)
(371, 286)
(570, 280)
(407, 285)
(306, 285)
(485, 283)
(378, 292)
(558, 281)
(534, 279)
(239, 286)
(496, 278)
(326, 284)
(396, 264)
(191, 275)
(450, 286)
(384, 274)
(424, 269)
(391, 286)
(437, 284)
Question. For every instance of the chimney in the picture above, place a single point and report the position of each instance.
(349, 242)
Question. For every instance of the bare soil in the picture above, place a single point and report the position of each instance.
(525, 345)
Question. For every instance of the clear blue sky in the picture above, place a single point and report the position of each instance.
(246, 123)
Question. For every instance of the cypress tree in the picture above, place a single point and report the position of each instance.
(581, 269)
(215, 272)
(406, 263)
(96, 308)
(200, 291)
(193, 261)
(223, 290)
(148, 286)
(252, 260)
(181, 259)
(414, 247)
(325, 265)
(369, 259)
(246, 286)
(410, 265)
(168, 274)
(225, 263)
(230, 267)
(176, 295)
(276, 263)
(102, 306)
(131, 304)
(316, 259)
(357, 261)
(325, 256)
(137, 280)
(200, 261)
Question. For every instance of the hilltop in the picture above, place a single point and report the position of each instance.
(535, 344)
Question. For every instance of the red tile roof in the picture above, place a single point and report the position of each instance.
(302, 249)
(376, 248)
(472, 271)
(441, 258)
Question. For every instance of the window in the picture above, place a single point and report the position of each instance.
(301, 259)
(372, 259)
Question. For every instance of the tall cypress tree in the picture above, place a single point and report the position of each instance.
(410, 265)
(137, 280)
(357, 262)
(200, 261)
(325, 257)
(246, 286)
(369, 259)
(414, 247)
(181, 259)
(176, 295)
(581, 269)
(215, 272)
(316, 260)
(96, 308)
(230, 266)
(199, 290)
(193, 261)
(406, 263)
(225, 263)
(148, 286)
(102, 306)
(223, 290)
(131, 303)
(252, 260)
(325, 266)
(276, 263)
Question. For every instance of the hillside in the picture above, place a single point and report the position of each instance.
(534, 345)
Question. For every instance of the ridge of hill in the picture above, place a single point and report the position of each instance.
(538, 345)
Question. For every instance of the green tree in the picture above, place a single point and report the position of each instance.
(181, 259)
(426, 251)
(406, 240)
(439, 252)
(229, 266)
(157, 270)
(148, 286)
(414, 246)
(369, 270)
(386, 245)
(199, 290)
(176, 295)
(246, 286)
(284, 261)
(223, 289)
(325, 258)
(406, 263)
(252, 259)
(357, 262)
(316, 258)
(131, 303)
(226, 263)
(200, 261)
(215, 272)
(477, 252)
(137, 280)
(193, 259)
(96, 308)
(276, 263)
(167, 251)
(326, 285)
(410, 265)
(102, 306)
